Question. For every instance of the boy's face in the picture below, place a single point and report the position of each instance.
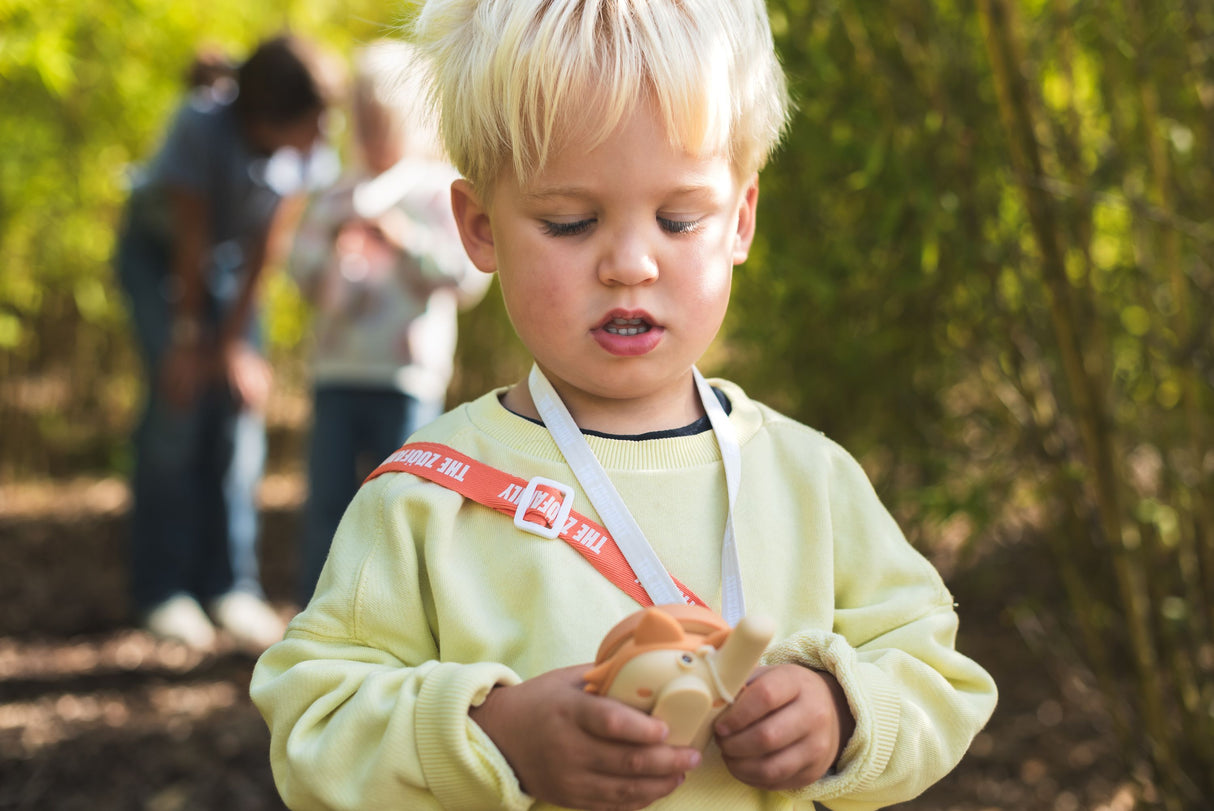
(615, 266)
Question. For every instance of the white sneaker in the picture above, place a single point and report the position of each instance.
(249, 619)
(181, 618)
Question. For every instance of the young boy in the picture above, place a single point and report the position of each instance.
(610, 152)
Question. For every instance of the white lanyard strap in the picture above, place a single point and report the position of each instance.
(615, 514)
(733, 600)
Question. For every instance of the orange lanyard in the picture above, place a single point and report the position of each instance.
(540, 506)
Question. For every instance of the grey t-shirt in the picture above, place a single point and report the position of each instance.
(205, 153)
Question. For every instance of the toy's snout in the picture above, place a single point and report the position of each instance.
(687, 706)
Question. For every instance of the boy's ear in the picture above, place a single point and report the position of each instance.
(747, 209)
(475, 230)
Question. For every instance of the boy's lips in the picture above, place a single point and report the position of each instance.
(628, 333)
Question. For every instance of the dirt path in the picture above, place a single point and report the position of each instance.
(94, 715)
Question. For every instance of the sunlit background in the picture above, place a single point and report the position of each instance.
(984, 266)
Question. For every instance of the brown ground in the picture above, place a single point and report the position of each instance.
(94, 715)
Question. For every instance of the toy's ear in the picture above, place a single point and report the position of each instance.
(595, 678)
(717, 639)
(658, 628)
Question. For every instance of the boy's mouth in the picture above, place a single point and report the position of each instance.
(627, 326)
(629, 333)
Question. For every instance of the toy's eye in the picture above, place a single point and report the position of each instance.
(687, 659)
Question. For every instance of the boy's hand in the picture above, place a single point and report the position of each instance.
(786, 729)
(578, 750)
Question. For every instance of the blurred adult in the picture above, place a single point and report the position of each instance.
(211, 210)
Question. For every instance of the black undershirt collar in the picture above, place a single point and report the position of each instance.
(698, 427)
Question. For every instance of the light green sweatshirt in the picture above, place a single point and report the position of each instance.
(428, 601)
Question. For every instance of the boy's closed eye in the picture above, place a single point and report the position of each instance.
(680, 226)
(554, 228)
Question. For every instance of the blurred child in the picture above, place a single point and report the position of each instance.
(610, 153)
(380, 258)
(202, 223)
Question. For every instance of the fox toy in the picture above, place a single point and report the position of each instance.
(680, 663)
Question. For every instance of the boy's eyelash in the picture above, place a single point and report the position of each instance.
(566, 229)
(678, 226)
(569, 229)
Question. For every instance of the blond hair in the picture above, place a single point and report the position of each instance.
(515, 79)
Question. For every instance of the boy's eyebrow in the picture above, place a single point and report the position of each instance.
(550, 192)
(546, 193)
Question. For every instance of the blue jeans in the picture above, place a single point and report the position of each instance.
(194, 519)
(353, 430)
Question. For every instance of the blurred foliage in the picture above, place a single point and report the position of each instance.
(984, 266)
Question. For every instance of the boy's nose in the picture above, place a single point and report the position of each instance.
(629, 261)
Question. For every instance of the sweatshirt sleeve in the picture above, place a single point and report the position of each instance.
(362, 712)
(917, 702)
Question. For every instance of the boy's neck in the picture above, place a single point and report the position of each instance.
(615, 417)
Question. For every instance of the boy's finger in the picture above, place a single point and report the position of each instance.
(757, 700)
(632, 762)
(610, 720)
(776, 732)
(787, 769)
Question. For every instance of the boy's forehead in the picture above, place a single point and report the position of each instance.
(572, 179)
(705, 184)
(540, 190)
(577, 154)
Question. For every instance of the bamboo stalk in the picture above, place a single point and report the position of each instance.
(1094, 423)
(1085, 605)
(1160, 189)
(1198, 27)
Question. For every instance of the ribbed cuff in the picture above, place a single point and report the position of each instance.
(874, 702)
(462, 766)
